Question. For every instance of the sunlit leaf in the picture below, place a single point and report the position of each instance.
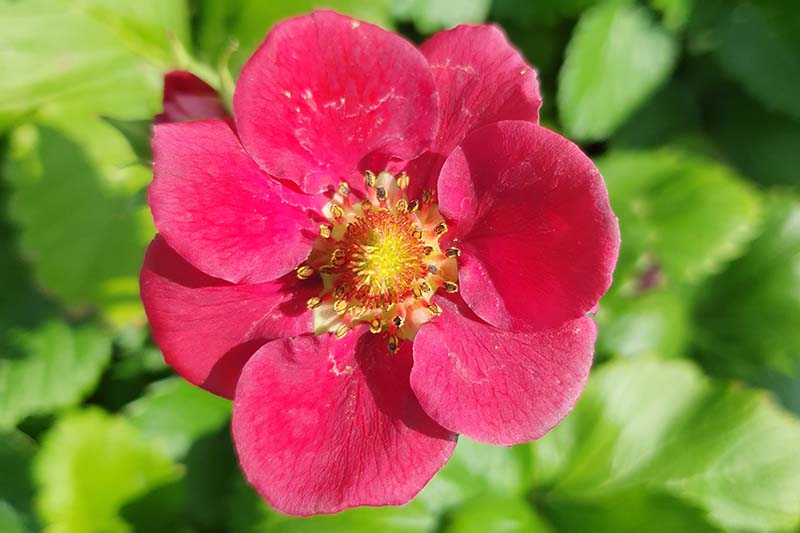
(617, 57)
(90, 465)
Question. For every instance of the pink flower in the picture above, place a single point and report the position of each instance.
(386, 252)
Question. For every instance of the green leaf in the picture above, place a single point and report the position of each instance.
(90, 465)
(500, 515)
(16, 483)
(761, 144)
(49, 367)
(73, 184)
(671, 113)
(758, 45)
(661, 426)
(653, 323)
(137, 133)
(176, 414)
(45, 364)
(99, 56)
(429, 17)
(631, 512)
(477, 469)
(247, 22)
(760, 330)
(617, 57)
(676, 12)
(681, 215)
(250, 514)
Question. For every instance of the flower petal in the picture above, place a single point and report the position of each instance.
(208, 328)
(219, 211)
(321, 425)
(481, 78)
(496, 386)
(325, 91)
(187, 97)
(530, 213)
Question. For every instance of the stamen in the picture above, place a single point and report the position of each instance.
(450, 287)
(341, 331)
(434, 309)
(380, 260)
(394, 344)
(338, 258)
(340, 306)
(337, 212)
(403, 181)
(304, 272)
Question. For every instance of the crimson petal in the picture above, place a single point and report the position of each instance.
(321, 425)
(481, 78)
(497, 386)
(187, 97)
(325, 91)
(207, 328)
(219, 211)
(530, 213)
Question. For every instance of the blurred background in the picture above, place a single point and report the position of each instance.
(691, 108)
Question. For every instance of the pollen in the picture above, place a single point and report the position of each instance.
(379, 260)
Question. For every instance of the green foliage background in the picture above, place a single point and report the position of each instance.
(690, 419)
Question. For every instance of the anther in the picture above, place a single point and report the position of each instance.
(338, 258)
(313, 302)
(326, 270)
(341, 331)
(324, 231)
(427, 196)
(402, 181)
(428, 250)
(394, 344)
(337, 212)
(413, 205)
(453, 252)
(380, 192)
(369, 178)
(450, 287)
(401, 205)
(304, 272)
(441, 228)
(357, 311)
(416, 233)
(339, 291)
(434, 309)
(432, 269)
(340, 306)
(375, 326)
(398, 321)
(344, 189)
(416, 292)
(425, 287)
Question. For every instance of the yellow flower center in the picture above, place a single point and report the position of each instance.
(380, 261)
